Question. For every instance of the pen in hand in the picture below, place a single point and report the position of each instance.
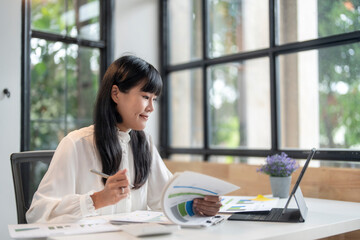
(100, 173)
(105, 175)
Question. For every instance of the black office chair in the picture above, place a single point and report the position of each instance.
(28, 168)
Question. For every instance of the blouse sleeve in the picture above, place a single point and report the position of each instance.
(158, 178)
(56, 199)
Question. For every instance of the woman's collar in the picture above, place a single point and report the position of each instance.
(124, 136)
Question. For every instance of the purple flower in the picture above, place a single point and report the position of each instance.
(279, 165)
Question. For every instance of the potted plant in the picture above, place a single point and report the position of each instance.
(279, 167)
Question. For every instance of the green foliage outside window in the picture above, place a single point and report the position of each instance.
(64, 77)
(339, 77)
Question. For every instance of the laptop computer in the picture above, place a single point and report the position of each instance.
(281, 214)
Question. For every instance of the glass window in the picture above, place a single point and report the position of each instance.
(186, 104)
(319, 98)
(280, 76)
(63, 75)
(47, 93)
(186, 158)
(239, 99)
(70, 18)
(50, 16)
(237, 159)
(88, 22)
(308, 19)
(83, 81)
(237, 26)
(63, 90)
(185, 30)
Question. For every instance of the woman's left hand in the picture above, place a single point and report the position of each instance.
(207, 206)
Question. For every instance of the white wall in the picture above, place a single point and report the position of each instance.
(10, 72)
(136, 32)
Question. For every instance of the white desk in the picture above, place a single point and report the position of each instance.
(325, 218)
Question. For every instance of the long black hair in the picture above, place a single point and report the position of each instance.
(126, 73)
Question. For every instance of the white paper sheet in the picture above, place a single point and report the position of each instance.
(140, 217)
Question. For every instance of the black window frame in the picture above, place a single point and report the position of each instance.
(105, 46)
(271, 52)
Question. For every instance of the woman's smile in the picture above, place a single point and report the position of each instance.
(145, 117)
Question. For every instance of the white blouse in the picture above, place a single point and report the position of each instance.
(64, 192)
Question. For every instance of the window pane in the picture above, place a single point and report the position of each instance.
(186, 104)
(88, 24)
(64, 81)
(320, 97)
(49, 16)
(237, 26)
(45, 134)
(71, 18)
(83, 81)
(47, 93)
(237, 159)
(239, 100)
(185, 158)
(184, 30)
(308, 19)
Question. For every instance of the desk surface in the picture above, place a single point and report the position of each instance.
(325, 218)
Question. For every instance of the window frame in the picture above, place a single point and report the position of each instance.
(271, 52)
(104, 45)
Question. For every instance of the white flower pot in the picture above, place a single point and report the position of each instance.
(280, 186)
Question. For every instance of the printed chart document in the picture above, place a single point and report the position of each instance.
(38, 230)
(183, 188)
(231, 204)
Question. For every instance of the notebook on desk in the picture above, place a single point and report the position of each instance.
(281, 214)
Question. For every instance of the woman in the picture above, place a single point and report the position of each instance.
(115, 145)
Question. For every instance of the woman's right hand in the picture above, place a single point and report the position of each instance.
(116, 189)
